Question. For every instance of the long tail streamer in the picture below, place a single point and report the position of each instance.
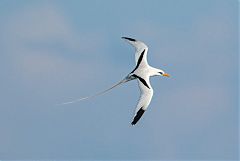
(97, 94)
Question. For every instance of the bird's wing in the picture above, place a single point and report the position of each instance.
(145, 98)
(141, 50)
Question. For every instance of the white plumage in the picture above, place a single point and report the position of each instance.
(142, 72)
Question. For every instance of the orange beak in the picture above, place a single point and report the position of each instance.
(166, 75)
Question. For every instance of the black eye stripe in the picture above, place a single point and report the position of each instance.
(160, 73)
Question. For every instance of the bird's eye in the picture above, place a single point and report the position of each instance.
(160, 73)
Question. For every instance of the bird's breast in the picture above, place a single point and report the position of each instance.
(141, 71)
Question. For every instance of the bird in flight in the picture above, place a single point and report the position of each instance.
(142, 72)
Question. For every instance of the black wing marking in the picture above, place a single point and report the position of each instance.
(130, 39)
(142, 80)
(139, 60)
(138, 116)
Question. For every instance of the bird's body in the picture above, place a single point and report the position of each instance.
(142, 72)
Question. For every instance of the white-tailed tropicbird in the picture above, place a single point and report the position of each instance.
(142, 72)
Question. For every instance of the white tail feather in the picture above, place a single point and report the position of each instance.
(97, 94)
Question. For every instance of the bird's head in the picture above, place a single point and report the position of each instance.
(160, 72)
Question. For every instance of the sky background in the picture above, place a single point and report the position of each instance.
(57, 50)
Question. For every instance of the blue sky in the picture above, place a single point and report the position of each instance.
(55, 51)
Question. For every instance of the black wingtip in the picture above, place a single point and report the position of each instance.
(130, 39)
(138, 116)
